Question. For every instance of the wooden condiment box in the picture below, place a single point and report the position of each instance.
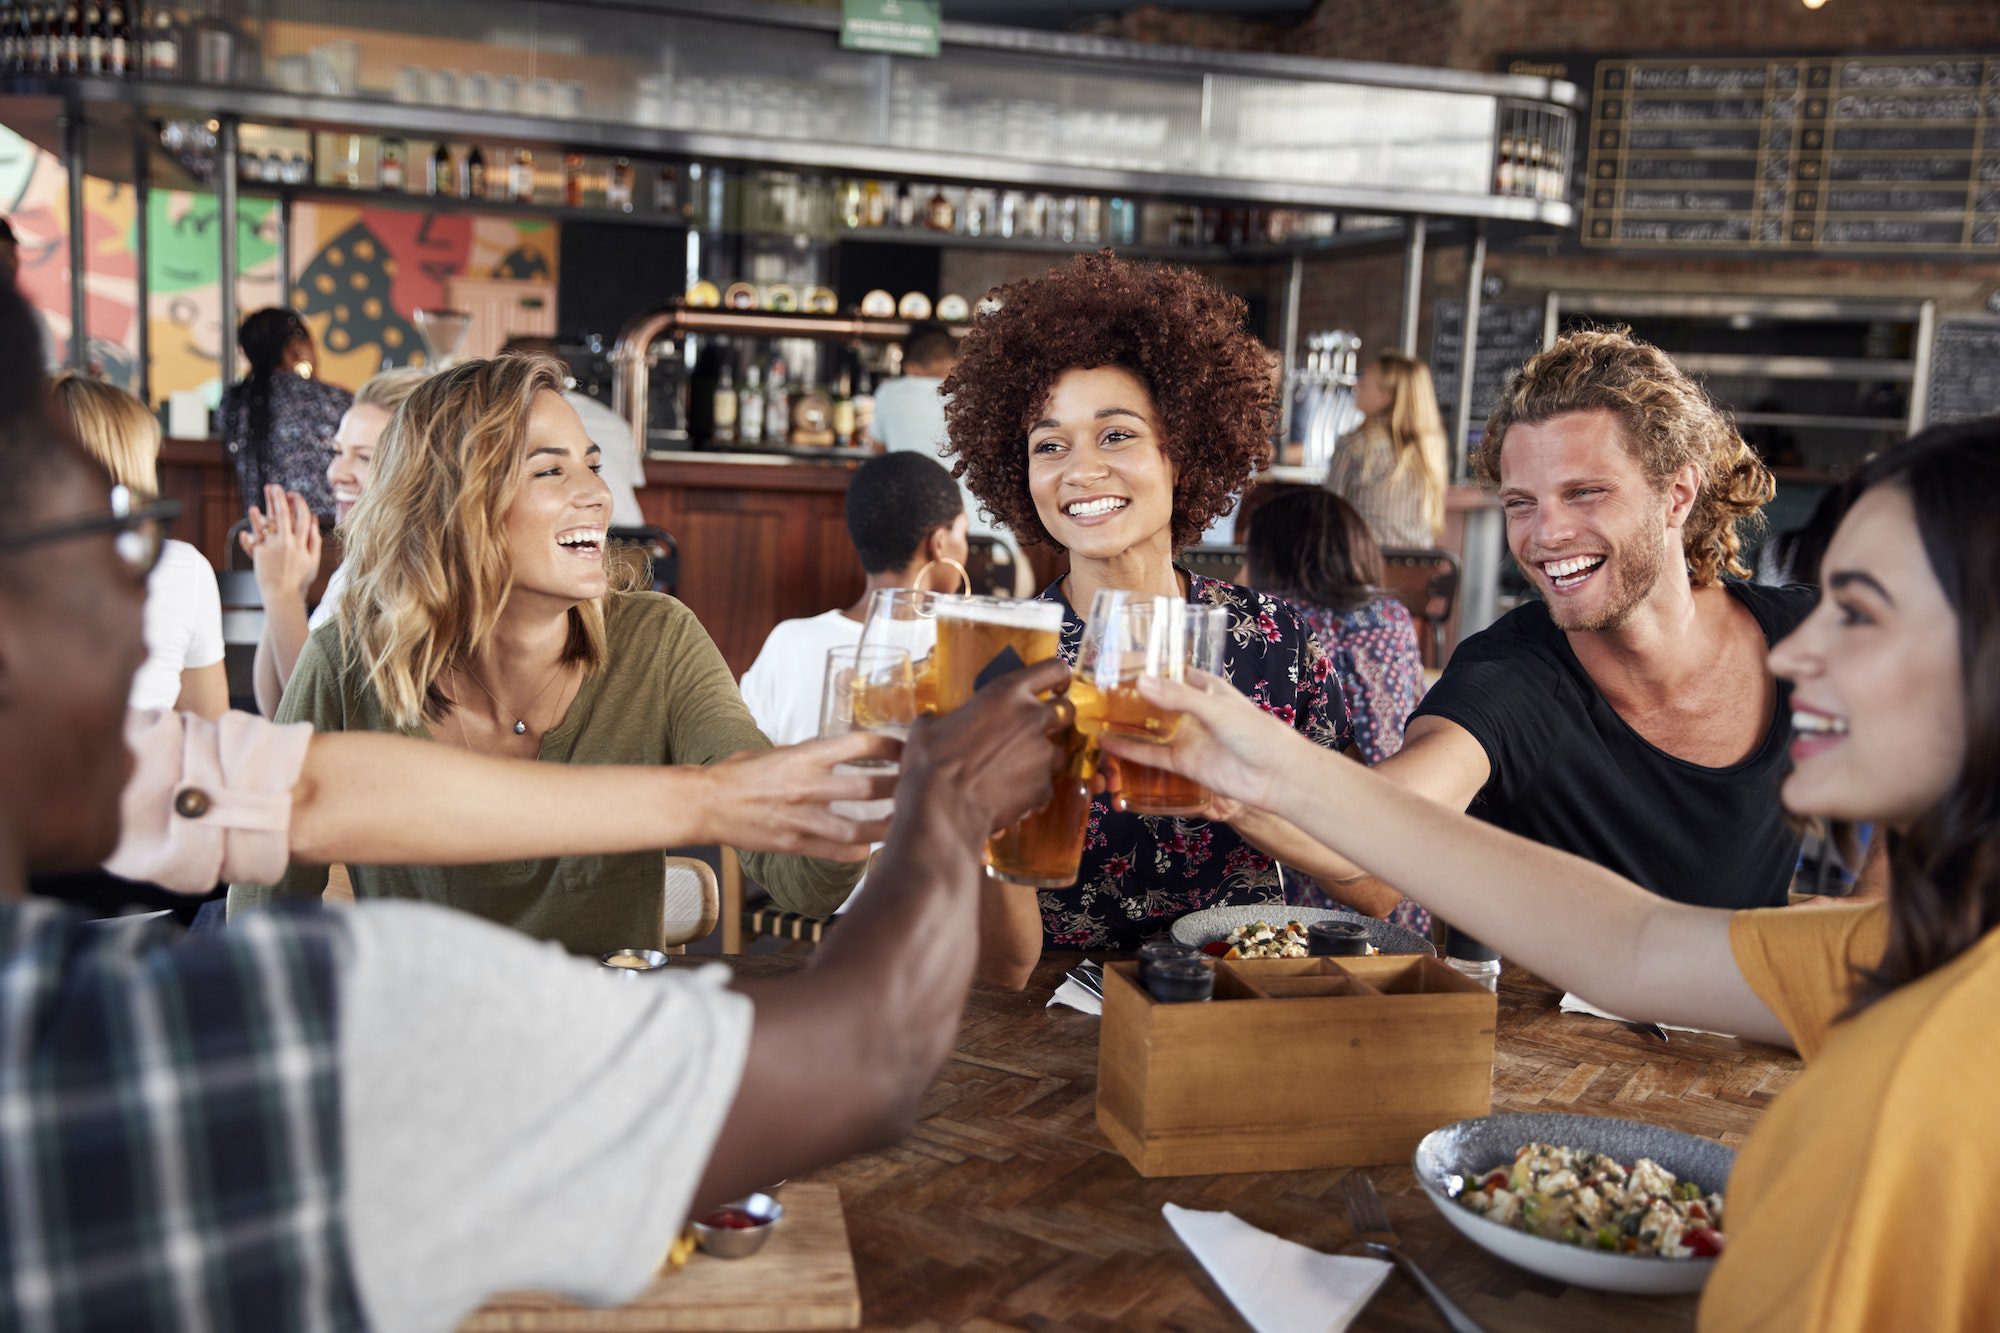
(1296, 1063)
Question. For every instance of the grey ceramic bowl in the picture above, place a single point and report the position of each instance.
(741, 1242)
(1198, 928)
(1448, 1159)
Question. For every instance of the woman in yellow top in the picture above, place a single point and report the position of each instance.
(1392, 468)
(1868, 1197)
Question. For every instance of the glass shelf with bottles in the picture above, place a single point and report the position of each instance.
(784, 395)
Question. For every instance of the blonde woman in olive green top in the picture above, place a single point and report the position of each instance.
(479, 612)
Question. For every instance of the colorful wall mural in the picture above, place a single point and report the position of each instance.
(359, 272)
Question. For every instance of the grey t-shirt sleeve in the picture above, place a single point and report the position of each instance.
(516, 1118)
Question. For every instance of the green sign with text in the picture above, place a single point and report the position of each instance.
(899, 27)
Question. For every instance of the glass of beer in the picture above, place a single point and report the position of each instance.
(867, 689)
(906, 618)
(1127, 638)
(979, 639)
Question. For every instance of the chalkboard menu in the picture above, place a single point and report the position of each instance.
(1509, 333)
(1896, 154)
(1965, 370)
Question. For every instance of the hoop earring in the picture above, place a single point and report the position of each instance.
(964, 578)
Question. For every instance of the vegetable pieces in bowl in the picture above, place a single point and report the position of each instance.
(1588, 1199)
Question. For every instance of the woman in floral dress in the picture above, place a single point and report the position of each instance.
(1113, 409)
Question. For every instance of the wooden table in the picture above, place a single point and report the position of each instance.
(1006, 1208)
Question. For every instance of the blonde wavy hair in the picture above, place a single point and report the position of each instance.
(116, 427)
(1667, 422)
(1416, 427)
(390, 389)
(428, 570)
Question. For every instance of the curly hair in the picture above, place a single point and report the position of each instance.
(1181, 335)
(1667, 422)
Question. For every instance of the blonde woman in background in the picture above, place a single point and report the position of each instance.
(1393, 469)
(183, 619)
(283, 540)
(480, 613)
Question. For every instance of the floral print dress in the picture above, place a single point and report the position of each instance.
(1142, 872)
(1380, 670)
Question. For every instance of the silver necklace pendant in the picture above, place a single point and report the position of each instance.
(520, 727)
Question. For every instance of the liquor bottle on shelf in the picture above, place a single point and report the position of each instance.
(250, 165)
(118, 59)
(10, 37)
(1090, 226)
(874, 205)
(1007, 222)
(95, 55)
(1535, 184)
(851, 206)
(843, 414)
(621, 185)
(1066, 224)
(977, 219)
(906, 205)
(390, 155)
(938, 213)
(27, 27)
(863, 403)
(521, 179)
(472, 182)
(1503, 174)
(750, 408)
(163, 44)
(1038, 217)
(72, 39)
(778, 404)
(350, 161)
(437, 170)
(572, 180)
(724, 409)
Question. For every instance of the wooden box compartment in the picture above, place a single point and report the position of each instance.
(1298, 1063)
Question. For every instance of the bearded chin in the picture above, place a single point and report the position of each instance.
(1633, 573)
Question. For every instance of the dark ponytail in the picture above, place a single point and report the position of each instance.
(263, 337)
(1944, 869)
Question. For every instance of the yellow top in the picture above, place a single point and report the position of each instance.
(1869, 1196)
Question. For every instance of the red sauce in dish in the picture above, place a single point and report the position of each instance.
(730, 1219)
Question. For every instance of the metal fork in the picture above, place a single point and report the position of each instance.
(1372, 1229)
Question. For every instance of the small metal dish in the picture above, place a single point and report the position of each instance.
(632, 962)
(741, 1242)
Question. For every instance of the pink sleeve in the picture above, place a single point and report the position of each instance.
(208, 801)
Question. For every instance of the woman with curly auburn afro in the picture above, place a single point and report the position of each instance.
(1113, 409)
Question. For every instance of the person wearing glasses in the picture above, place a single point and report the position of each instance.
(183, 668)
(293, 1124)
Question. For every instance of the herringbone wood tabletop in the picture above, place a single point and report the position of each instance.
(1006, 1208)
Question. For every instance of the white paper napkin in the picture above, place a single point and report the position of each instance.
(1277, 1285)
(1076, 997)
(1572, 1003)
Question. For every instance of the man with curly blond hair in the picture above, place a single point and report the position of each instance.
(1629, 715)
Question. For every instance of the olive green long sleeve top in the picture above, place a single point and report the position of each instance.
(664, 696)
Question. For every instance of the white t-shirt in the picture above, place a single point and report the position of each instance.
(622, 468)
(782, 687)
(329, 601)
(513, 1117)
(183, 625)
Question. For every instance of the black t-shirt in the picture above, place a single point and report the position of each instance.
(1568, 772)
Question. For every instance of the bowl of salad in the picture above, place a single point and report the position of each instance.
(1273, 930)
(1610, 1204)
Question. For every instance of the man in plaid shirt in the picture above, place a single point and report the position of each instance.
(377, 1118)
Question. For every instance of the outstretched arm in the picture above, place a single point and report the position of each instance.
(842, 1053)
(378, 799)
(1575, 923)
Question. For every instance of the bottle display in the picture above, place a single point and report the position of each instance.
(521, 177)
(618, 189)
(472, 182)
(390, 156)
(724, 410)
(750, 409)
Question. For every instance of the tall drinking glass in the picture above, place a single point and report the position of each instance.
(1128, 637)
(978, 639)
(867, 689)
(906, 618)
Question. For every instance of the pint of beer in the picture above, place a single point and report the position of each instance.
(978, 639)
(1127, 638)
